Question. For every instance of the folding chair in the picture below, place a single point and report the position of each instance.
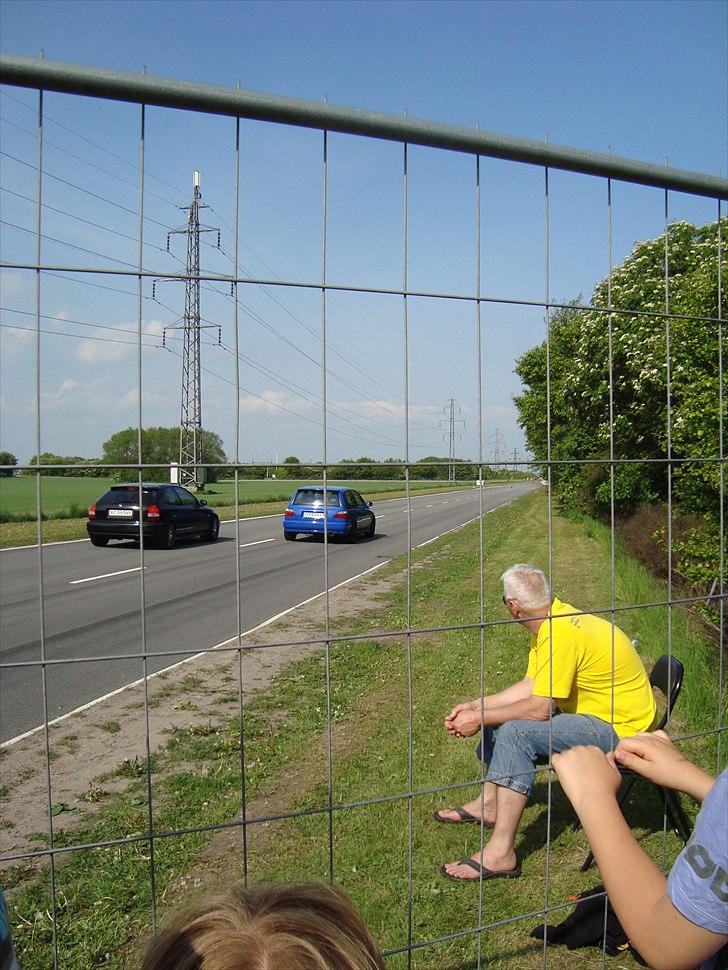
(667, 677)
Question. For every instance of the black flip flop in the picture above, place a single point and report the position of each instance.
(465, 817)
(483, 872)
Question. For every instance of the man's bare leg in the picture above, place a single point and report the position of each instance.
(484, 805)
(498, 855)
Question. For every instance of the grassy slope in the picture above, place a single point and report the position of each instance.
(104, 895)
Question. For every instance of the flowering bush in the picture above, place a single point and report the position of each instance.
(635, 376)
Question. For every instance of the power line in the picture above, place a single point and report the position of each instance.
(80, 188)
(246, 309)
(102, 148)
(281, 407)
(62, 333)
(282, 305)
(85, 161)
(87, 222)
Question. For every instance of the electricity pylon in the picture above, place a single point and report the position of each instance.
(450, 409)
(497, 441)
(190, 425)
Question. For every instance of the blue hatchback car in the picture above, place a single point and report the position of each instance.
(345, 513)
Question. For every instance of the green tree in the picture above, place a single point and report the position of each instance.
(290, 472)
(67, 465)
(7, 458)
(160, 447)
(637, 352)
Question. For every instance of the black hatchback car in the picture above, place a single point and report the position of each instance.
(168, 513)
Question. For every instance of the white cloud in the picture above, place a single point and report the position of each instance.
(60, 398)
(130, 399)
(111, 350)
(96, 352)
(271, 402)
(24, 334)
(13, 282)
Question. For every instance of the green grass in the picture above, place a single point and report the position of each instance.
(104, 894)
(18, 494)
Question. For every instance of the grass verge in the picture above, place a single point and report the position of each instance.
(376, 688)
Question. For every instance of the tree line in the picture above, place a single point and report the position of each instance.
(160, 447)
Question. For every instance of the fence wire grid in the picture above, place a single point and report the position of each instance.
(33, 674)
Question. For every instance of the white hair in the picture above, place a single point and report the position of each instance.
(528, 586)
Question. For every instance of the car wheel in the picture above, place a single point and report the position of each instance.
(99, 541)
(213, 531)
(170, 536)
(289, 536)
(352, 533)
(372, 527)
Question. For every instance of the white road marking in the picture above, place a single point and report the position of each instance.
(429, 506)
(90, 579)
(164, 670)
(258, 542)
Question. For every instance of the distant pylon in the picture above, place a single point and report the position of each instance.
(498, 442)
(450, 409)
(190, 425)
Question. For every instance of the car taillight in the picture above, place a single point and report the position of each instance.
(92, 511)
(290, 514)
(153, 512)
(341, 515)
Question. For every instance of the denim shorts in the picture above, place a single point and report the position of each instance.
(512, 750)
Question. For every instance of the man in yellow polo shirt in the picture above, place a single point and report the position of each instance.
(584, 684)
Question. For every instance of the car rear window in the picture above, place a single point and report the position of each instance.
(126, 495)
(315, 496)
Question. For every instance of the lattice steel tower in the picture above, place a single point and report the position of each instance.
(190, 426)
(451, 420)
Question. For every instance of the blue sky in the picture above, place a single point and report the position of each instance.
(645, 80)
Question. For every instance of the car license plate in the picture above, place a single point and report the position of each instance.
(121, 513)
(313, 515)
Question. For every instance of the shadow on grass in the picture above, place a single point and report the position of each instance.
(644, 811)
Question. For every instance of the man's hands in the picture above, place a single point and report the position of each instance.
(654, 756)
(464, 720)
(586, 775)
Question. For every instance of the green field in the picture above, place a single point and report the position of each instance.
(60, 495)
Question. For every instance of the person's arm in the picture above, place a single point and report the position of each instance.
(516, 701)
(635, 886)
(654, 756)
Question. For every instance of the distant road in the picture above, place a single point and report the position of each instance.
(92, 596)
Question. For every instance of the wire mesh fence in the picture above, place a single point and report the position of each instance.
(171, 724)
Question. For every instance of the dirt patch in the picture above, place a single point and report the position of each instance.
(221, 863)
(97, 753)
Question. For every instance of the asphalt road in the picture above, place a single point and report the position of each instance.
(92, 597)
